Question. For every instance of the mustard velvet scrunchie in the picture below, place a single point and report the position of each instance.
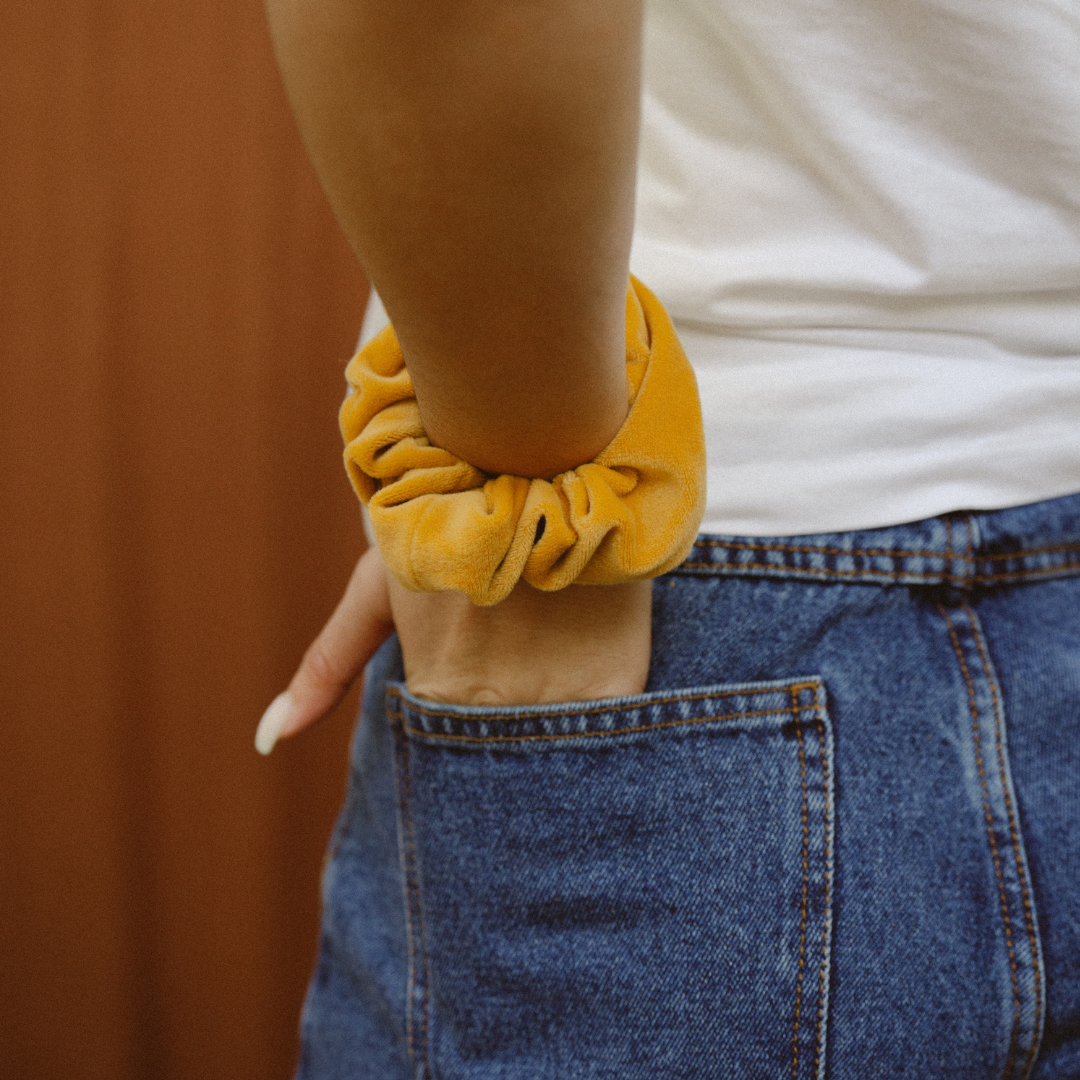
(442, 524)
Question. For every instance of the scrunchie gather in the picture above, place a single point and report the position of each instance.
(441, 524)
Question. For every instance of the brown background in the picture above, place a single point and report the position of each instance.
(175, 308)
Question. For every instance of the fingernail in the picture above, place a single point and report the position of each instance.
(273, 722)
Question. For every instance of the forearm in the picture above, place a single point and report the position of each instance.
(480, 156)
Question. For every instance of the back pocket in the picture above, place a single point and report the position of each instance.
(637, 887)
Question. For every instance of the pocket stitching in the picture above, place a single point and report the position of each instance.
(828, 885)
(645, 701)
(805, 906)
(796, 709)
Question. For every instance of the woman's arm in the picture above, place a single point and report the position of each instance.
(480, 156)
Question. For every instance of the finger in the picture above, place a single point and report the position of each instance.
(359, 625)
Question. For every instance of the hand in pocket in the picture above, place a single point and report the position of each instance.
(580, 644)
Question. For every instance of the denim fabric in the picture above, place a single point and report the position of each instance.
(839, 835)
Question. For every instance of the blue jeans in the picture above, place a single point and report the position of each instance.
(838, 836)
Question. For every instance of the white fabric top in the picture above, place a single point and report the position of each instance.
(864, 217)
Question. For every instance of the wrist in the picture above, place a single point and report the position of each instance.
(535, 443)
(535, 403)
(444, 524)
(581, 643)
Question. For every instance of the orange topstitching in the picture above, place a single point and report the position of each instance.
(1020, 869)
(974, 709)
(591, 734)
(828, 887)
(899, 553)
(394, 692)
(804, 907)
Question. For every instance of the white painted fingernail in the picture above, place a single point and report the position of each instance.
(273, 721)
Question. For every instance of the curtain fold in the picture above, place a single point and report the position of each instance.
(176, 307)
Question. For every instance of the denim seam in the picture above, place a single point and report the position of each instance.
(1015, 840)
(948, 554)
(896, 575)
(410, 978)
(824, 570)
(828, 885)
(394, 692)
(426, 1009)
(412, 886)
(804, 909)
(973, 707)
(809, 549)
(797, 709)
(1048, 550)
(1042, 571)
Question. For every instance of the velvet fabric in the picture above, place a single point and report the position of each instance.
(442, 524)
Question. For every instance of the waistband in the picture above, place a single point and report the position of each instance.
(964, 549)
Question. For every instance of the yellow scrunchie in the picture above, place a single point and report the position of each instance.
(442, 524)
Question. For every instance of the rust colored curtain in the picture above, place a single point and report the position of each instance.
(176, 305)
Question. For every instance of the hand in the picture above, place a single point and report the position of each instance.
(579, 644)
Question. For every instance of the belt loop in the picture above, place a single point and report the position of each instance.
(961, 540)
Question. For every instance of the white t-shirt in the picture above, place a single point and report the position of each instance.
(864, 217)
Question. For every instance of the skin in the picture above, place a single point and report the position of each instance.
(580, 644)
(480, 156)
